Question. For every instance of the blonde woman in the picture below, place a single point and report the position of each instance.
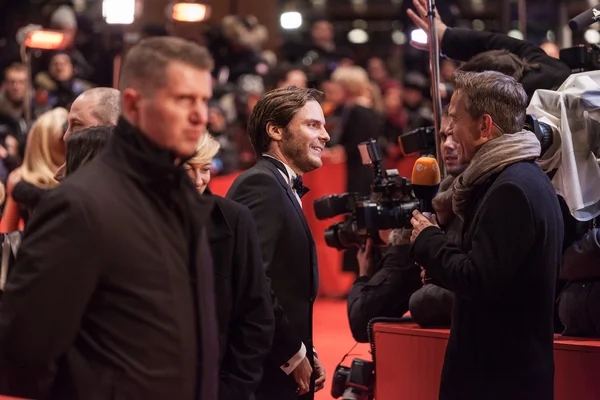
(44, 154)
(244, 311)
(199, 167)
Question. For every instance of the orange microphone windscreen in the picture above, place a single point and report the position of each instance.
(426, 172)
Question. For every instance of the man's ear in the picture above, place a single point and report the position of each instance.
(486, 128)
(274, 132)
(131, 105)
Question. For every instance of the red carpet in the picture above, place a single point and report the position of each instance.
(333, 339)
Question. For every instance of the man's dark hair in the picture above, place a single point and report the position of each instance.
(499, 60)
(277, 107)
(84, 145)
(496, 94)
(145, 64)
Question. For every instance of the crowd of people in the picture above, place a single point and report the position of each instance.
(161, 289)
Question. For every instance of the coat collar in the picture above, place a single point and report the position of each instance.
(288, 189)
(144, 159)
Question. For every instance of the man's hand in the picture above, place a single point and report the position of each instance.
(320, 371)
(421, 20)
(302, 375)
(363, 256)
(420, 222)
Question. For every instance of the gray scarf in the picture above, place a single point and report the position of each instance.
(492, 158)
(442, 202)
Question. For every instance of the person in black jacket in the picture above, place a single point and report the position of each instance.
(287, 130)
(579, 304)
(244, 308)
(541, 71)
(503, 273)
(114, 272)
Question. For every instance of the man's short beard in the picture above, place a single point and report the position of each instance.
(295, 153)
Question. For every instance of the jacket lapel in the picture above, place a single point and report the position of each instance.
(292, 197)
(290, 194)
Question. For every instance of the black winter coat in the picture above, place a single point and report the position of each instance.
(112, 296)
(503, 276)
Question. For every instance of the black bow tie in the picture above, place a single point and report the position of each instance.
(297, 185)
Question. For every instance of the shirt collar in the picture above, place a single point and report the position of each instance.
(290, 172)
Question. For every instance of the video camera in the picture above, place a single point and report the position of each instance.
(354, 383)
(389, 206)
(423, 139)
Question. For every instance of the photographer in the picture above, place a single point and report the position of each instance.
(503, 273)
(538, 70)
(388, 286)
(383, 288)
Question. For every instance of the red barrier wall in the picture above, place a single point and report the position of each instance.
(409, 364)
(219, 185)
(327, 180)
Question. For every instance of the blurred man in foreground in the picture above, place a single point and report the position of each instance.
(113, 292)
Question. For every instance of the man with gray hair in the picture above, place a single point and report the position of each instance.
(504, 271)
(94, 107)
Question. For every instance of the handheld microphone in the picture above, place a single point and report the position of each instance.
(426, 182)
(585, 19)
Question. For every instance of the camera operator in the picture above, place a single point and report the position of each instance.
(383, 288)
(503, 273)
(539, 70)
(390, 286)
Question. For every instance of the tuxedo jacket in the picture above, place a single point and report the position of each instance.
(290, 261)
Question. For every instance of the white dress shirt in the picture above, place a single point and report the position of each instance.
(289, 177)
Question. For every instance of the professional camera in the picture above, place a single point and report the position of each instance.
(582, 58)
(354, 383)
(422, 140)
(389, 206)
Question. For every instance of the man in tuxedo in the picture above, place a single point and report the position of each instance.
(287, 131)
